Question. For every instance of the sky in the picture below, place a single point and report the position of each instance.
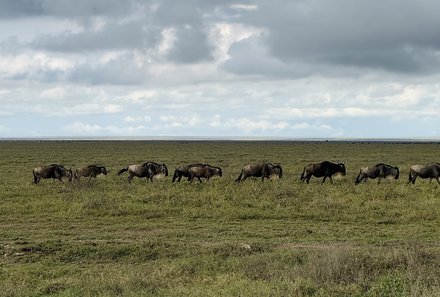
(205, 68)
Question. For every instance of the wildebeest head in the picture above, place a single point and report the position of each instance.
(342, 168)
(218, 171)
(64, 172)
(277, 171)
(103, 170)
(397, 172)
(164, 169)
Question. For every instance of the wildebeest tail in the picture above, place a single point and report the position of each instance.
(357, 178)
(239, 177)
(122, 170)
(410, 177)
(303, 173)
(35, 176)
(176, 174)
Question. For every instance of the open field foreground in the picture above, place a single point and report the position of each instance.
(277, 238)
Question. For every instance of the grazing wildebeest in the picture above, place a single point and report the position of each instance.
(148, 170)
(205, 171)
(324, 169)
(379, 171)
(184, 171)
(54, 171)
(89, 171)
(263, 170)
(431, 170)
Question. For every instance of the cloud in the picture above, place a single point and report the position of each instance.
(205, 67)
(191, 45)
(91, 108)
(110, 35)
(64, 8)
(248, 125)
(122, 70)
(172, 121)
(370, 35)
(137, 119)
(250, 56)
(38, 66)
(79, 128)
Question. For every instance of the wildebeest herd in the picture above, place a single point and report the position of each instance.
(324, 169)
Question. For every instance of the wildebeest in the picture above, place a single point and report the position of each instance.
(324, 169)
(54, 171)
(263, 170)
(183, 171)
(148, 170)
(379, 171)
(431, 170)
(205, 171)
(89, 171)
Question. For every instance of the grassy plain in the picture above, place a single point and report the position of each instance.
(277, 238)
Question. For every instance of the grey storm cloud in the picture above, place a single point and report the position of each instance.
(120, 71)
(64, 8)
(301, 37)
(191, 46)
(399, 36)
(128, 35)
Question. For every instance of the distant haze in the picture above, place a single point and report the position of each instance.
(203, 68)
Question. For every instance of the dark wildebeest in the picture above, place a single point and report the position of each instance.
(184, 171)
(205, 171)
(324, 169)
(264, 170)
(54, 171)
(89, 171)
(148, 170)
(431, 170)
(378, 171)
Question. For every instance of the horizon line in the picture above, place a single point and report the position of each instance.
(216, 138)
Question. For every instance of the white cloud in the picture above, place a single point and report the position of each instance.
(137, 119)
(79, 128)
(244, 6)
(33, 66)
(91, 108)
(53, 93)
(172, 121)
(249, 125)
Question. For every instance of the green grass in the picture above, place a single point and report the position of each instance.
(272, 238)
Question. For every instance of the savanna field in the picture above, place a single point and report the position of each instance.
(219, 238)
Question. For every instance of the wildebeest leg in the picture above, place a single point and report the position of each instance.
(199, 179)
(90, 178)
(323, 180)
(130, 177)
(36, 180)
(438, 181)
(308, 177)
(378, 180)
